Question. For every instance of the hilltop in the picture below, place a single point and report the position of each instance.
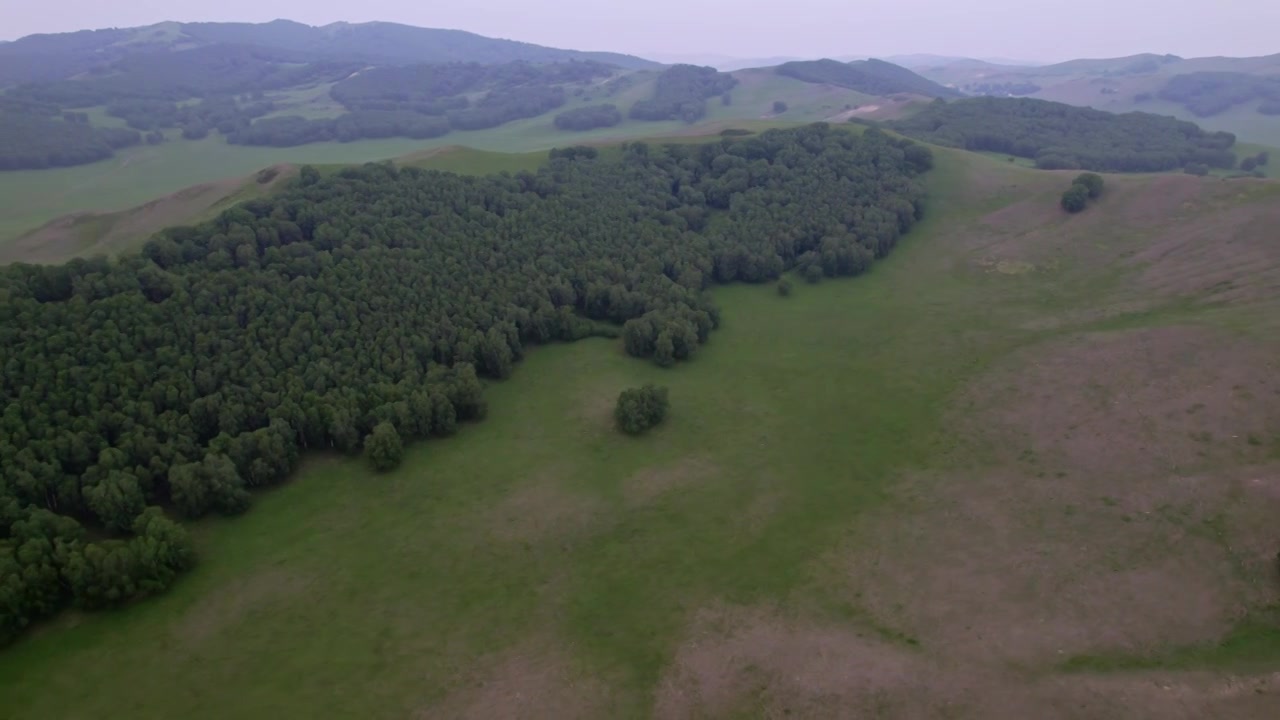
(1238, 95)
(40, 58)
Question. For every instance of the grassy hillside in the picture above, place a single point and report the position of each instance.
(32, 198)
(1116, 84)
(62, 55)
(874, 77)
(1024, 438)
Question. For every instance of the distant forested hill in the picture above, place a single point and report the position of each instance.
(1059, 136)
(681, 93)
(364, 306)
(38, 58)
(198, 78)
(1209, 93)
(221, 86)
(873, 77)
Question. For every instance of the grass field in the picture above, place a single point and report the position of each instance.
(1020, 440)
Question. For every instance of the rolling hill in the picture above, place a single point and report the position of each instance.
(1046, 482)
(1220, 93)
(38, 58)
(872, 77)
(135, 176)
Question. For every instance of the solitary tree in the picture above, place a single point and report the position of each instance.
(383, 447)
(1075, 198)
(639, 409)
(779, 107)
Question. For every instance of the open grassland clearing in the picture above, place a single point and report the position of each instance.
(1027, 465)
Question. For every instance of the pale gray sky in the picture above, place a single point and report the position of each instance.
(1026, 29)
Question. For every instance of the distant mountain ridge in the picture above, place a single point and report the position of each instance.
(36, 58)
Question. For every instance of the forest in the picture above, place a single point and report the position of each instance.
(33, 142)
(1209, 93)
(1059, 136)
(873, 77)
(360, 310)
(681, 93)
(589, 117)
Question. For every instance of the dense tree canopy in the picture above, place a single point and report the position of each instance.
(589, 117)
(1210, 93)
(640, 409)
(34, 142)
(373, 300)
(1059, 136)
(681, 93)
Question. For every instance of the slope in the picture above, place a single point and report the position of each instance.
(56, 56)
(873, 77)
(1123, 85)
(1046, 455)
(30, 199)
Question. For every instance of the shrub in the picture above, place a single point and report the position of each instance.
(1091, 181)
(1075, 198)
(779, 107)
(1199, 169)
(784, 287)
(641, 408)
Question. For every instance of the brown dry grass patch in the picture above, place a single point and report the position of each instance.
(222, 609)
(650, 484)
(737, 659)
(542, 508)
(754, 662)
(534, 680)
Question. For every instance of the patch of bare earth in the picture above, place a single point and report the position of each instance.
(531, 681)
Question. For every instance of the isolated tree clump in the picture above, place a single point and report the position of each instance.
(1092, 182)
(383, 447)
(640, 409)
(779, 107)
(1076, 198)
(1086, 187)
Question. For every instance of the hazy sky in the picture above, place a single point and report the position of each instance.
(1023, 29)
